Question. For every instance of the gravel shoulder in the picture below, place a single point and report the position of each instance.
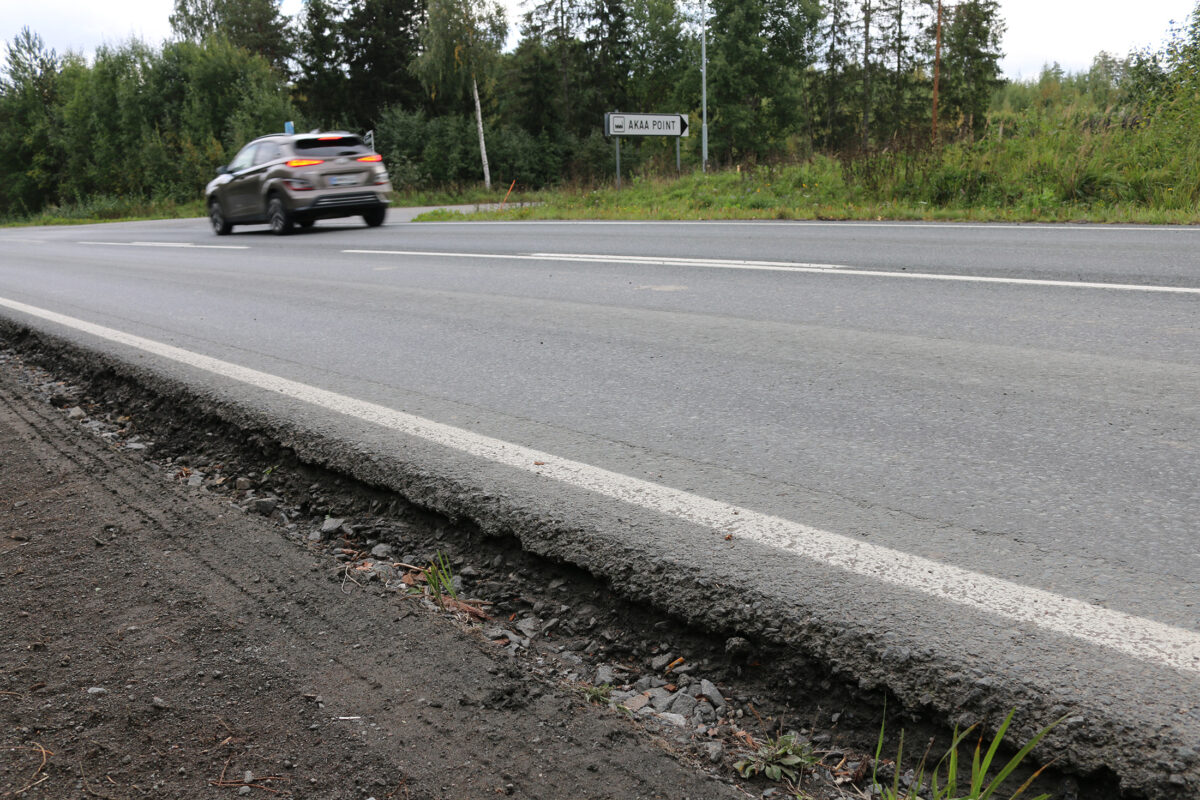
(161, 642)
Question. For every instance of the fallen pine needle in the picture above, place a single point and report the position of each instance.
(34, 780)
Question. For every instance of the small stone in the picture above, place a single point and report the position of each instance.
(134, 446)
(715, 751)
(159, 703)
(683, 704)
(708, 689)
(530, 626)
(331, 524)
(97, 691)
(244, 790)
(196, 479)
(659, 663)
(76, 413)
(636, 703)
(263, 505)
(674, 719)
(243, 484)
(315, 536)
(382, 551)
(604, 674)
(660, 699)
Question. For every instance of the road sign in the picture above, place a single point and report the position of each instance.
(618, 124)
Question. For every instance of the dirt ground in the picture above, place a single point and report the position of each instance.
(160, 643)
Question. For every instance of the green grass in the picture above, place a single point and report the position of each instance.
(787, 194)
(945, 782)
(109, 209)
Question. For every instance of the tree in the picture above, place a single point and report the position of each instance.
(607, 43)
(382, 41)
(971, 59)
(557, 26)
(758, 51)
(461, 41)
(29, 90)
(320, 57)
(256, 25)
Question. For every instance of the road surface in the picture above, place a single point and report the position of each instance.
(957, 460)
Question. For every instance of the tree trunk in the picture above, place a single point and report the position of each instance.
(866, 114)
(487, 173)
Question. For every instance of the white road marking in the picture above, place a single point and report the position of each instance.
(802, 223)
(173, 244)
(785, 266)
(1144, 639)
(652, 260)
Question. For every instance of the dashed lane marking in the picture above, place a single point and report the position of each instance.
(186, 245)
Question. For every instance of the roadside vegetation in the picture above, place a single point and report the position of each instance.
(817, 110)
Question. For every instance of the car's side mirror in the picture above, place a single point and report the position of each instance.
(222, 170)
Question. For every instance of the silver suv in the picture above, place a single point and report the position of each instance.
(286, 179)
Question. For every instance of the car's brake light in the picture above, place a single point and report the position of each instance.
(372, 157)
(305, 162)
(329, 138)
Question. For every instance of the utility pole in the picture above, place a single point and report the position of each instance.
(937, 72)
(704, 85)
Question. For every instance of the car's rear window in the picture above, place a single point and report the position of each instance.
(329, 145)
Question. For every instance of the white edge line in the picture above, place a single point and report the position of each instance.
(1143, 639)
(1051, 227)
(777, 266)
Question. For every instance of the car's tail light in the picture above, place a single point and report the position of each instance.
(305, 162)
(372, 157)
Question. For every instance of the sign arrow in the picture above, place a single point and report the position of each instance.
(683, 125)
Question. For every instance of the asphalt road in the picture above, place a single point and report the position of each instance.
(1016, 404)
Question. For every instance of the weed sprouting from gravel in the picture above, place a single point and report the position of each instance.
(440, 579)
(944, 780)
(597, 694)
(777, 758)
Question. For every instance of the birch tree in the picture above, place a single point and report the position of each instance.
(460, 43)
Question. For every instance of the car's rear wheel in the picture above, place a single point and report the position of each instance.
(281, 220)
(220, 225)
(374, 218)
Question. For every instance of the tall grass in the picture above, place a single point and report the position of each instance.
(1056, 162)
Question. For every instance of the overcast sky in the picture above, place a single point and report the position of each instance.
(1070, 32)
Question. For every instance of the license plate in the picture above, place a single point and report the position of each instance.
(343, 180)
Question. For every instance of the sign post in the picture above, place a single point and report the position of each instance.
(617, 124)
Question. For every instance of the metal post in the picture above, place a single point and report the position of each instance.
(704, 85)
(678, 167)
(618, 138)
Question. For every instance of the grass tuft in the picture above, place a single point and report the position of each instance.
(944, 782)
